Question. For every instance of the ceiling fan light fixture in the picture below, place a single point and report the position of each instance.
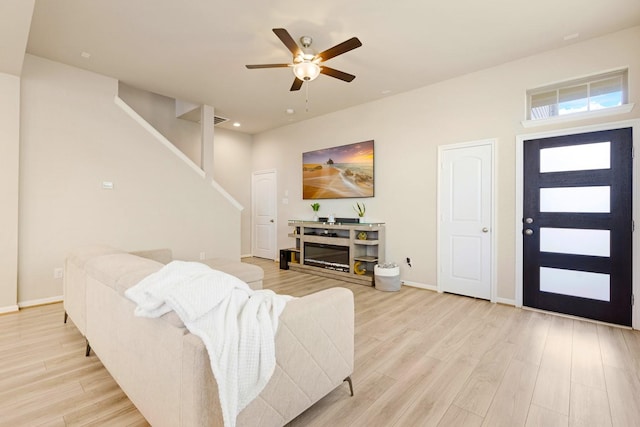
(306, 64)
(306, 71)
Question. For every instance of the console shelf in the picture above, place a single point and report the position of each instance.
(364, 242)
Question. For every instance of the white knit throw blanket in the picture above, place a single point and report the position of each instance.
(236, 324)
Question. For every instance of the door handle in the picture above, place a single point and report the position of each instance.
(528, 232)
(485, 230)
(528, 220)
(270, 220)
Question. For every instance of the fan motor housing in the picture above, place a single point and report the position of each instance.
(306, 41)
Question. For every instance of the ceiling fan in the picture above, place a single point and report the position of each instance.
(306, 64)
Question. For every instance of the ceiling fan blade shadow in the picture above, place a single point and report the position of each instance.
(337, 74)
(297, 84)
(288, 41)
(252, 67)
(339, 49)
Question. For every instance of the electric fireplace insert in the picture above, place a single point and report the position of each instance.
(331, 257)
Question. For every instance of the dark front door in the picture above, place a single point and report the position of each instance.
(577, 225)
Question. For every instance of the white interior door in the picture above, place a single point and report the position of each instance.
(264, 218)
(465, 219)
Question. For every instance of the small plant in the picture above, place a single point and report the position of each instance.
(360, 209)
(315, 206)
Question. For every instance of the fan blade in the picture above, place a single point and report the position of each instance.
(251, 67)
(297, 84)
(339, 49)
(337, 74)
(288, 41)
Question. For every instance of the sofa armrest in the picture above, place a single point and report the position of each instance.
(74, 282)
(200, 403)
(314, 354)
(321, 321)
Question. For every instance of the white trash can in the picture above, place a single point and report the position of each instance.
(387, 279)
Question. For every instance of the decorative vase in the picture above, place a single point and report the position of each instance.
(315, 216)
(358, 268)
(362, 220)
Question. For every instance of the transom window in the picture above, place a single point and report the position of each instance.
(577, 96)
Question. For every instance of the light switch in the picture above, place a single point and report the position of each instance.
(107, 185)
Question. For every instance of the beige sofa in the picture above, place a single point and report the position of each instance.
(165, 370)
(75, 275)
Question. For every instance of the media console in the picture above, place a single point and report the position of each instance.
(345, 251)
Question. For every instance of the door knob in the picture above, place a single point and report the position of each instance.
(485, 230)
(528, 232)
(528, 220)
(270, 220)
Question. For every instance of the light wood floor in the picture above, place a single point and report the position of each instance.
(422, 359)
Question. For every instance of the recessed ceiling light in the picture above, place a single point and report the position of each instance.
(290, 110)
(85, 55)
(236, 124)
(571, 36)
(386, 92)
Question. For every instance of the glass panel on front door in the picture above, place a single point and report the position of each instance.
(576, 158)
(575, 241)
(575, 283)
(576, 199)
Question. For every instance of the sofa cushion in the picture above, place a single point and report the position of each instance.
(163, 256)
(242, 270)
(80, 256)
(120, 271)
(173, 319)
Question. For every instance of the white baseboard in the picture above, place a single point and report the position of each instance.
(41, 301)
(9, 309)
(246, 256)
(420, 285)
(505, 301)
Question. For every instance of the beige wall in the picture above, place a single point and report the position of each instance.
(231, 149)
(9, 160)
(160, 112)
(232, 170)
(14, 34)
(409, 127)
(73, 137)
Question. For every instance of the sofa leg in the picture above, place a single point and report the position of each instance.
(88, 352)
(66, 316)
(348, 379)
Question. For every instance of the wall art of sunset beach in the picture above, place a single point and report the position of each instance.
(338, 172)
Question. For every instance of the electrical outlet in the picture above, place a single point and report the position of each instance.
(203, 256)
(58, 273)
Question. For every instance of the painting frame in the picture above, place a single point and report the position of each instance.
(340, 172)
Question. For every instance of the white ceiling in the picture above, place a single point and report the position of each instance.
(196, 50)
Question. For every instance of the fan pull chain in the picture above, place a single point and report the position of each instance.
(306, 100)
